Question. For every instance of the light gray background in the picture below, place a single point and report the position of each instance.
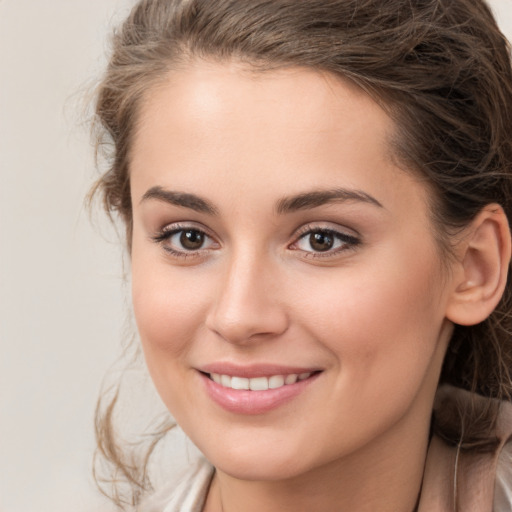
(62, 297)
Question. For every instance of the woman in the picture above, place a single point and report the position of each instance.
(317, 197)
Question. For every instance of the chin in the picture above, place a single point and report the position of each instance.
(258, 463)
(261, 471)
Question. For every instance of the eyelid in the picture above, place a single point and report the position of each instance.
(174, 227)
(349, 240)
(164, 234)
(326, 226)
(348, 237)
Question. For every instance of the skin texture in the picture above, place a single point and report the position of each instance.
(371, 315)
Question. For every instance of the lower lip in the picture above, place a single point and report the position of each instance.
(254, 402)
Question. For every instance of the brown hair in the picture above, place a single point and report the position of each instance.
(442, 70)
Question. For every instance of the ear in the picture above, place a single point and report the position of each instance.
(483, 261)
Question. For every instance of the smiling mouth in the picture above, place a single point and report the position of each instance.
(258, 383)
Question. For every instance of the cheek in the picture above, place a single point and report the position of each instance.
(384, 329)
(385, 321)
(168, 308)
(168, 311)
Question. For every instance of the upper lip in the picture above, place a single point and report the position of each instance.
(255, 370)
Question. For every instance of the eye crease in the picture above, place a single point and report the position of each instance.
(325, 240)
(186, 241)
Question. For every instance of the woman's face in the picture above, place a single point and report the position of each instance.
(277, 246)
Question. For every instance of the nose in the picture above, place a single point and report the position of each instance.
(247, 305)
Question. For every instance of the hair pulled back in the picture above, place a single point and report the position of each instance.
(442, 70)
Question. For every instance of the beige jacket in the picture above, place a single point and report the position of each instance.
(469, 481)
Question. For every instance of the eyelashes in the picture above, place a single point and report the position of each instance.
(182, 241)
(323, 242)
(188, 241)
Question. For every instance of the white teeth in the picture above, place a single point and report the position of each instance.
(291, 379)
(225, 380)
(258, 383)
(239, 383)
(276, 381)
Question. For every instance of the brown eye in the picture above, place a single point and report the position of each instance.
(191, 239)
(321, 241)
(326, 241)
(186, 241)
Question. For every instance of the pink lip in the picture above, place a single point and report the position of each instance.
(254, 402)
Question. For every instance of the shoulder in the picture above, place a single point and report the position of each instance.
(503, 484)
(475, 477)
(188, 494)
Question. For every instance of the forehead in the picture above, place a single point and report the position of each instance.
(206, 96)
(291, 129)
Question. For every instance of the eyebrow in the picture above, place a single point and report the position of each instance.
(318, 198)
(182, 199)
(302, 201)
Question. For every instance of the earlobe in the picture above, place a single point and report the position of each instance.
(484, 259)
